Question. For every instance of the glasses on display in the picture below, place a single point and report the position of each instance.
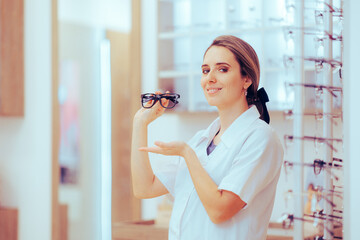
(289, 115)
(288, 219)
(318, 165)
(289, 62)
(327, 8)
(320, 64)
(319, 88)
(321, 215)
(288, 139)
(316, 195)
(320, 35)
(148, 100)
(323, 238)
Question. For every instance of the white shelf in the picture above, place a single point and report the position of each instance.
(184, 34)
(233, 31)
(175, 74)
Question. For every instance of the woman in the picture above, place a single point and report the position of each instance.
(225, 181)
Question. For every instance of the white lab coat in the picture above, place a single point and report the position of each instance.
(246, 162)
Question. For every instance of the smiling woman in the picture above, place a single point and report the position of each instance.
(227, 192)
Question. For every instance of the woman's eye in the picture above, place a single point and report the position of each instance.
(205, 71)
(223, 69)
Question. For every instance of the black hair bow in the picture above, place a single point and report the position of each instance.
(260, 102)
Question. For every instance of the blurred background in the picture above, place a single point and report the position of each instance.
(71, 77)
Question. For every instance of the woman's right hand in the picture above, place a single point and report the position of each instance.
(147, 115)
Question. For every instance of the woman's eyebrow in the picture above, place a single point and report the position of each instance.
(216, 64)
(223, 63)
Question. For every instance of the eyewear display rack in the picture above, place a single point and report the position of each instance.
(330, 62)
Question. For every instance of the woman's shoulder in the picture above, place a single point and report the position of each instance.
(262, 131)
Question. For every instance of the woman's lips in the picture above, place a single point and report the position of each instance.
(213, 90)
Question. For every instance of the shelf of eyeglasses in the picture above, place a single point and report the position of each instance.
(289, 114)
(319, 62)
(318, 165)
(329, 142)
(317, 95)
(314, 196)
(317, 220)
(310, 232)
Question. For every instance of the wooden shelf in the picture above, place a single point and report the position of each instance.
(12, 58)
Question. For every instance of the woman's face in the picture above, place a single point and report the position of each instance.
(221, 79)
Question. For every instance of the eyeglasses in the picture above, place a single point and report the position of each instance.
(321, 35)
(288, 115)
(318, 165)
(322, 237)
(148, 100)
(319, 62)
(316, 194)
(321, 215)
(336, 12)
(288, 219)
(319, 88)
(288, 139)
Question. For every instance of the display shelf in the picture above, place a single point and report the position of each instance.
(175, 74)
(316, 90)
(185, 28)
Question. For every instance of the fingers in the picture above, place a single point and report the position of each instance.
(173, 144)
(165, 145)
(149, 103)
(165, 102)
(150, 149)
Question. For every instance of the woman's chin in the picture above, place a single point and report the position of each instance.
(213, 104)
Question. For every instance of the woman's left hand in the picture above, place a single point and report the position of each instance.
(176, 148)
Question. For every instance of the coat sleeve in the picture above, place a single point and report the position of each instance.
(257, 164)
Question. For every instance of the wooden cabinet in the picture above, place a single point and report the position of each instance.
(8, 224)
(11, 58)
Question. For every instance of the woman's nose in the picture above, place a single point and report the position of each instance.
(210, 77)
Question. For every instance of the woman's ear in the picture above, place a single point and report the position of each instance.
(247, 83)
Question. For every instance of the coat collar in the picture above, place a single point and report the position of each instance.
(231, 134)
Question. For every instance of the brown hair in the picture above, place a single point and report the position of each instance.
(247, 59)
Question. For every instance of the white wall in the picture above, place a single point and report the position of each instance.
(25, 143)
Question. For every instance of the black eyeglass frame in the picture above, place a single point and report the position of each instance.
(146, 97)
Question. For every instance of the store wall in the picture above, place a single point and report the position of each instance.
(25, 142)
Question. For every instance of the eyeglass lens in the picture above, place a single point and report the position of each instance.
(148, 100)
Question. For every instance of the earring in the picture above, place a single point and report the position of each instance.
(245, 93)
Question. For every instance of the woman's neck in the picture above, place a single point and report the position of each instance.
(228, 115)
